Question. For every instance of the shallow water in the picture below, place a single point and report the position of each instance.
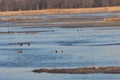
(59, 16)
(81, 47)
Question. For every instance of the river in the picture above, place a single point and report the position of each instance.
(78, 47)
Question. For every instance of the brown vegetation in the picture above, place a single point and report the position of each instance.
(84, 70)
(61, 11)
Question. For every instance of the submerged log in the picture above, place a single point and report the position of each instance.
(84, 70)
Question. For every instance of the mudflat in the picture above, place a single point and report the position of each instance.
(64, 22)
(84, 70)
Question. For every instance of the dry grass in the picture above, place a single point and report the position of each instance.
(112, 19)
(62, 11)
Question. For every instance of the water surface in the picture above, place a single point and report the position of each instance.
(81, 47)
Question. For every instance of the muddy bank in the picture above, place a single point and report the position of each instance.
(86, 24)
(84, 70)
(26, 32)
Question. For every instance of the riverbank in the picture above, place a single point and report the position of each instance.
(62, 11)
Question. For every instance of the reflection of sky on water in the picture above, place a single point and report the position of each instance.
(81, 47)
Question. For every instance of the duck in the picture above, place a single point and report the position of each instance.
(19, 51)
(59, 51)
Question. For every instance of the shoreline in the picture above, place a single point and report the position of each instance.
(62, 21)
(62, 11)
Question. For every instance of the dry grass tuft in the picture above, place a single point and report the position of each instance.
(62, 11)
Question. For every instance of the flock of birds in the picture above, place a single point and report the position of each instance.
(28, 44)
(21, 44)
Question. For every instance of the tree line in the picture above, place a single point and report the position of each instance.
(16, 5)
